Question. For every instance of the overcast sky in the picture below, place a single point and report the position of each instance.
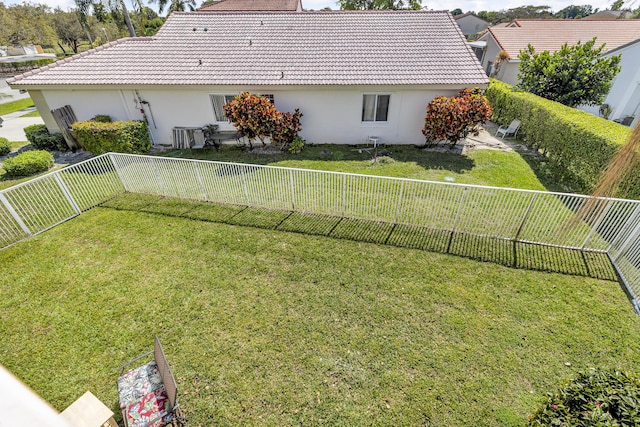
(465, 5)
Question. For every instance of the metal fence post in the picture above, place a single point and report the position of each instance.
(117, 169)
(15, 215)
(633, 235)
(344, 194)
(633, 218)
(293, 192)
(455, 221)
(158, 177)
(524, 220)
(67, 194)
(595, 226)
(200, 182)
(244, 184)
(399, 202)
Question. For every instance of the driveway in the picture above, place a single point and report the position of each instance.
(13, 125)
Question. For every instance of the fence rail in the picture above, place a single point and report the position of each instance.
(556, 220)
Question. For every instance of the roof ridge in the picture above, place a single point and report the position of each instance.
(307, 12)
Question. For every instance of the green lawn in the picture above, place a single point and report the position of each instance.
(481, 167)
(17, 105)
(32, 114)
(267, 327)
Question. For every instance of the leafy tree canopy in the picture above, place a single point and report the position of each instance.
(574, 12)
(574, 75)
(617, 5)
(380, 4)
(521, 12)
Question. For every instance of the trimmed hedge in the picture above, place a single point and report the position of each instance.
(5, 147)
(596, 397)
(28, 163)
(40, 138)
(579, 145)
(12, 67)
(119, 137)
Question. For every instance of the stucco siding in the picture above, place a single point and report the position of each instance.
(331, 115)
(87, 104)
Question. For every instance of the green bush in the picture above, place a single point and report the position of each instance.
(296, 145)
(119, 137)
(5, 147)
(596, 397)
(40, 138)
(578, 144)
(28, 163)
(102, 118)
(30, 64)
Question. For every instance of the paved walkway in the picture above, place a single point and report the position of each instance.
(483, 141)
(13, 125)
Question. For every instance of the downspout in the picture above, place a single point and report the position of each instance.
(142, 103)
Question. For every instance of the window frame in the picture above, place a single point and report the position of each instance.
(376, 107)
(228, 97)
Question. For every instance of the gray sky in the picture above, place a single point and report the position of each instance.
(465, 5)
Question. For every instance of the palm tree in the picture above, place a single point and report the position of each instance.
(175, 5)
(85, 5)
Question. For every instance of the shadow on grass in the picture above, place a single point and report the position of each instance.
(401, 153)
(482, 248)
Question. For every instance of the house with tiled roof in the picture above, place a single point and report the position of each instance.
(352, 74)
(550, 35)
(610, 14)
(253, 6)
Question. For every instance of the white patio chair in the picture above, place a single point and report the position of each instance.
(512, 129)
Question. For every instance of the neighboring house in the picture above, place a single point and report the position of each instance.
(253, 6)
(610, 14)
(549, 34)
(352, 74)
(20, 50)
(624, 95)
(471, 25)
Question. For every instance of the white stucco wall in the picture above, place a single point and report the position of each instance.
(624, 95)
(509, 71)
(491, 51)
(471, 25)
(331, 114)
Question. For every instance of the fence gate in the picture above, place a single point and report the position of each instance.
(65, 117)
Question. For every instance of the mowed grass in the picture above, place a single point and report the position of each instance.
(265, 327)
(13, 106)
(480, 167)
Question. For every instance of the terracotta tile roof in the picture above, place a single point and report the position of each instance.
(251, 6)
(551, 34)
(308, 48)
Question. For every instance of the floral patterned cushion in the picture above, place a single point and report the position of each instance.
(151, 410)
(138, 382)
(143, 397)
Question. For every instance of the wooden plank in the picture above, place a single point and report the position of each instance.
(65, 117)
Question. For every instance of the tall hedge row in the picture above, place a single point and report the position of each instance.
(119, 137)
(579, 145)
(30, 64)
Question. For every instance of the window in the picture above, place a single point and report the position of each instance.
(219, 100)
(375, 108)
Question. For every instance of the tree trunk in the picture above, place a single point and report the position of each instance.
(63, 51)
(127, 19)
